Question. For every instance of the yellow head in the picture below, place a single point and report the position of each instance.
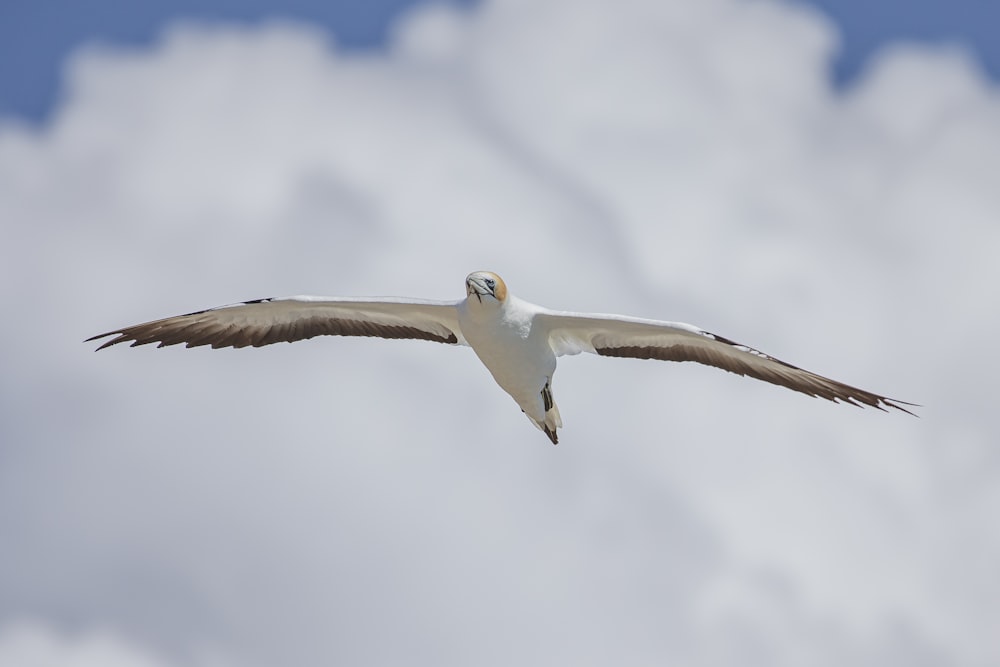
(485, 285)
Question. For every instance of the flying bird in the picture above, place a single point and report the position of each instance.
(517, 341)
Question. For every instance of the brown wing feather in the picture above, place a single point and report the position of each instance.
(227, 327)
(621, 336)
(776, 371)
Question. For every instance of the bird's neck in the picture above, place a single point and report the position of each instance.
(486, 310)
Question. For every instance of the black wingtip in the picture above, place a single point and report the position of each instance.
(98, 336)
(879, 403)
(107, 343)
(899, 406)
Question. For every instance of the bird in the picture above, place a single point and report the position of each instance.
(518, 342)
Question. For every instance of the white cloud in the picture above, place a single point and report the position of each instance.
(351, 501)
(32, 644)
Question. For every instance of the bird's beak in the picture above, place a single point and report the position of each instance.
(473, 287)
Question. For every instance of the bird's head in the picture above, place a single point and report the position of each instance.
(486, 287)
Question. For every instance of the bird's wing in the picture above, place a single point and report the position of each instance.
(618, 336)
(293, 318)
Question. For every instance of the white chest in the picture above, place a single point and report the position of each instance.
(515, 352)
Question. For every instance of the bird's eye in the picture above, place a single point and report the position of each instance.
(490, 283)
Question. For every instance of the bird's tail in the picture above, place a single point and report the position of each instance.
(552, 421)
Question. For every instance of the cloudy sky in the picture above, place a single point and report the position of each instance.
(361, 502)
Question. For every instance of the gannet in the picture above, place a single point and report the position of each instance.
(517, 341)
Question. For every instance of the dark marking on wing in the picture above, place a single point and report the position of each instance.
(207, 310)
(194, 330)
(762, 367)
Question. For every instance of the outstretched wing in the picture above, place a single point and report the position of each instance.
(289, 319)
(618, 336)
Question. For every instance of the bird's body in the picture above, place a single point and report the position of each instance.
(507, 338)
(517, 341)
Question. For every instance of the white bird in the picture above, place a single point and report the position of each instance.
(517, 341)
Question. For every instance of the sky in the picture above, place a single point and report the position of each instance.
(365, 502)
(37, 37)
